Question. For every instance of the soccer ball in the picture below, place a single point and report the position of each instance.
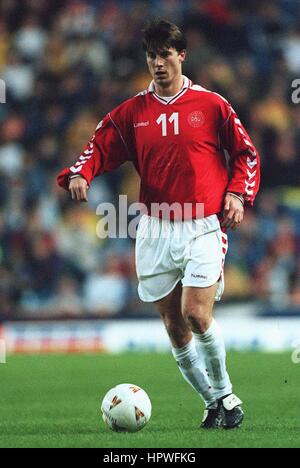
(126, 408)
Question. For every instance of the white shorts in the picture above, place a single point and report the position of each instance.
(167, 252)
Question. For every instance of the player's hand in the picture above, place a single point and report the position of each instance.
(78, 188)
(233, 213)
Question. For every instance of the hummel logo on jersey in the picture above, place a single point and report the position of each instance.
(198, 276)
(141, 124)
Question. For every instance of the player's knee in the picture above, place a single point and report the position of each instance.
(192, 316)
(197, 316)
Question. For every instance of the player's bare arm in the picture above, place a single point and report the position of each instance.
(78, 188)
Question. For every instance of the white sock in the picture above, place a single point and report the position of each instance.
(211, 347)
(191, 367)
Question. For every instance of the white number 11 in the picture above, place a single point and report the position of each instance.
(163, 120)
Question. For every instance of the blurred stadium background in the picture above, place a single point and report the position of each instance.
(65, 65)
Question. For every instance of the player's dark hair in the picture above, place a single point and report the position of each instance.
(160, 34)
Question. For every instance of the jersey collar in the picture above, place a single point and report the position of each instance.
(186, 84)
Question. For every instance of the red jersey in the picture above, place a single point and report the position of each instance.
(191, 149)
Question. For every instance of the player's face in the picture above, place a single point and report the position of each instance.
(165, 66)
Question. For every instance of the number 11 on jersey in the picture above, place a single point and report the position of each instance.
(162, 119)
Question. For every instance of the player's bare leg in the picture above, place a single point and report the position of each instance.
(197, 309)
(169, 307)
(183, 345)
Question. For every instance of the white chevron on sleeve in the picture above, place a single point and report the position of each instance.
(249, 192)
(99, 125)
(251, 174)
(83, 158)
(248, 184)
(80, 163)
(251, 163)
(253, 152)
(75, 169)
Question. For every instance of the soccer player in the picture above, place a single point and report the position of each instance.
(190, 149)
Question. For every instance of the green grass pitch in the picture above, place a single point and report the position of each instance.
(54, 401)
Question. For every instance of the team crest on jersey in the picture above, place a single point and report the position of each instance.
(196, 119)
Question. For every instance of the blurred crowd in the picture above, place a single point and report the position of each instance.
(65, 65)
